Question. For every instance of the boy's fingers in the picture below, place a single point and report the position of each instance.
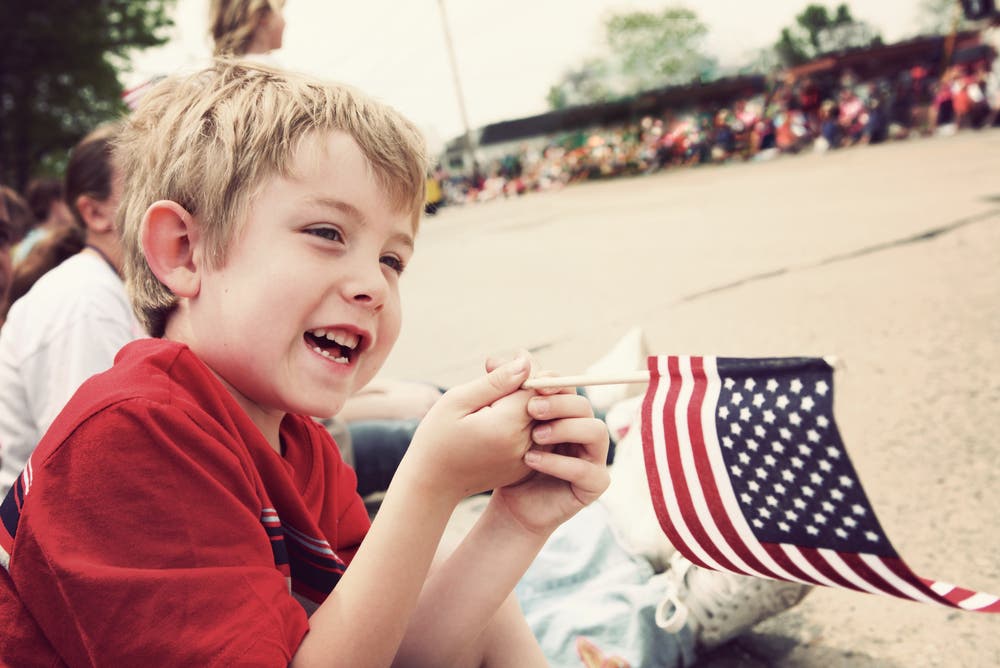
(590, 434)
(499, 382)
(589, 481)
(560, 406)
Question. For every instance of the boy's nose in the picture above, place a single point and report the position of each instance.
(366, 286)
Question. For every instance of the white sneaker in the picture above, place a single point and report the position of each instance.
(720, 606)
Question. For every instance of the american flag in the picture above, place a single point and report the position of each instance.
(748, 474)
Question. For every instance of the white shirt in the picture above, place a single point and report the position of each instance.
(68, 327)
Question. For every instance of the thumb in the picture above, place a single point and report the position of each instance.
(498, 383)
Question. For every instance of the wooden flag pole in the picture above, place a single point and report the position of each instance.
(579, 381)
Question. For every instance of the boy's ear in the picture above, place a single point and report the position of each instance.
(169, 238)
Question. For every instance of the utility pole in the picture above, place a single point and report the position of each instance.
(470, 144)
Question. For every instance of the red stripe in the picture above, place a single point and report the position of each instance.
(871, 577)
(709, 484)
(679, 480)
(783, 560)
(652, 472)
(823, 566)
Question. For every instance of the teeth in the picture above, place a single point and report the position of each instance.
(326, 353)
(339, 337)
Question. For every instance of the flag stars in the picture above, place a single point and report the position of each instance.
(754, 487)
(796, 385)
(723, 412)
(752, 445)
(836, 495)
(746, 498)
(791, 515)
(735, 428)
(758, 400)
(840, 532)
(823, 421)
(819, 518)
(850, 522)
(799, 503)
(779, 488)
(764, 512)
(736, 399)
(832, 452)
(736, 471)
(807, 403)
(768, 416)
(811, 530)
(749, 384)
(770, 500)
(822, 388)
(872, 536)
(745, 414)
(729, 383)
(727, 442)
(782, 402)
(772, 385)
(769, 460)
(787, 475)
(812, 436)
(759, 431)
(805, 450)
(846, 482)
(808, 491)
(825, 466)
(828, 507)
(784, 526)
(777, 447)
(744, 458)
(761, 473)
(757, 523)
(796, 462)
(795, 419)
(785, 433)
(858, 510)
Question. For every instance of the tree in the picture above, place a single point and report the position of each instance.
(645, 50)
(940, 17)
(657, 49)
(59, 64)
(816, 31)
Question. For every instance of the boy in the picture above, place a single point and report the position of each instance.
(180, 511)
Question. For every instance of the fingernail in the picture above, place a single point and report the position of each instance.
(539, 406)
(518, 365)
(532, 457)
(542, 432)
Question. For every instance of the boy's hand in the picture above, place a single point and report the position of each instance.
(569, 463)
(476, 435)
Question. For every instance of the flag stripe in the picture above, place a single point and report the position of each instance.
(879, 565)
(654, 454)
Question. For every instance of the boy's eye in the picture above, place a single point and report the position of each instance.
(329, 233)
(393, 263)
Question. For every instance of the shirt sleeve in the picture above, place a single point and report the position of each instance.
(140, 541)
(86, 345)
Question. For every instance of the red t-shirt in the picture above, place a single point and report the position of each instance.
(155, 524)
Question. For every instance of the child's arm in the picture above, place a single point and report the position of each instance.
(472, 440)
(464, 592)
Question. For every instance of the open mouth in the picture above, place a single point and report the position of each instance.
(337, 345)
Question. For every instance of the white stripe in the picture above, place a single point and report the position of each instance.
(841, 567)
(899, 583)
(5, 559)
(721, 475)
(796, 556)
(942, 588)
(27, 476)
(662, 468)
(977, 601)
(691, 473)
(309, 542)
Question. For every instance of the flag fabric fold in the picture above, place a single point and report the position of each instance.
(748, 474)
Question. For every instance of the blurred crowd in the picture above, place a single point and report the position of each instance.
(818, 113)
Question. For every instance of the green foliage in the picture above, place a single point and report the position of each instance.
(646, 50)
(59, 64)
(817, 31)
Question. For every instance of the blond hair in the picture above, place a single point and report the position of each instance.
(208, 142)
(234, 22)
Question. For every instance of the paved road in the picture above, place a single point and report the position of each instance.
(885, 256)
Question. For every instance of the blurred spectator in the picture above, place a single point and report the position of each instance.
(45, 198)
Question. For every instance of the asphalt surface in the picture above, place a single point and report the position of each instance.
(884, 256)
